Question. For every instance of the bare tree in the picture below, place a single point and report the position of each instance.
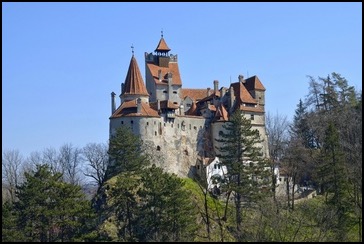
(98, 160)
(70, 158)
(11, 167)
(277, 128)
(278, 136)
(51, 158)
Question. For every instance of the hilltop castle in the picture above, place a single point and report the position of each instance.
(182, 124)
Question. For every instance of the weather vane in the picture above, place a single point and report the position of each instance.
(162, 33)
(132, 49)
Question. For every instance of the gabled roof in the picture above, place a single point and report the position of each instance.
(173, 68)
(162, 46)
(253, 83)
(134, 83)
(208, 98)
(221, 113)
(242, 93)
(163, 104)
(257, 109)
(129, 109)
(194, 94)
(192, 110)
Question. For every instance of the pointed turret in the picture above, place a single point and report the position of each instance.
(134, 85)
(162, 46)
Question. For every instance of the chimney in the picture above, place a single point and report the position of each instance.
(232, 98)
(113, 102)
(208, 91)
(181, 110)
(216, 86)
(222, 91)
(122, 88)
(159, 75)
(241, 79)
(170, 91)
(139, 105)
(169, 78)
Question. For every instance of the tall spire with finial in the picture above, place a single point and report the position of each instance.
(162, 45)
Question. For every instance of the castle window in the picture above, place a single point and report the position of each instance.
(172, 125)
(178, 126)
(195, 128)
(198, 166)
(183, 126)
(164, 124)
(147, 123)
(154, 122)
(175, 102)
(164, 91)
(122, 122)
(190, 126)
(155, 133)
(252, 116)
(158, 148)
(175, 92)
(131, 122)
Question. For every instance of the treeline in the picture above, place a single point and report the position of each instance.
(322, 149)
(138, 201)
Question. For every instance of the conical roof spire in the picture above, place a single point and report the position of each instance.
(162, 45)
(134, 83)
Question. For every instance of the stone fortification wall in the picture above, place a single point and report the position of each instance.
(174, 144)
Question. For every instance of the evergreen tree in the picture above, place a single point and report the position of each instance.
(126, 153)
(10, 233)
(248, 172)
(335, 180)
(49, 209)
(166, 211)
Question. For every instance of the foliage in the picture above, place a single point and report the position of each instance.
(248, 173)
(49, 209)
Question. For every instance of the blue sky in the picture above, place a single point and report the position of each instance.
(61, 61)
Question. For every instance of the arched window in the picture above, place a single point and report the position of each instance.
(158, 148)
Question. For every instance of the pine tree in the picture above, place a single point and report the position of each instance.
(126, 153)
(49, 209)
(166, 211)
(248, 173)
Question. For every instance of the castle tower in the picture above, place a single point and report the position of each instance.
(163, 79)
(134, 87)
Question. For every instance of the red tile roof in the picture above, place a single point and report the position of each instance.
(129, 109)
(217, 94)
(194, 94)
(163, 104)
(168, 104)
(134, 83)
(253, 83)
(211, 107)
(192, 110)
(242, 93)
(258, 109)
(173, 68)
(221, 113)
(162, 46)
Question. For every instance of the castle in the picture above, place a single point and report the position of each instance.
(181, 124)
